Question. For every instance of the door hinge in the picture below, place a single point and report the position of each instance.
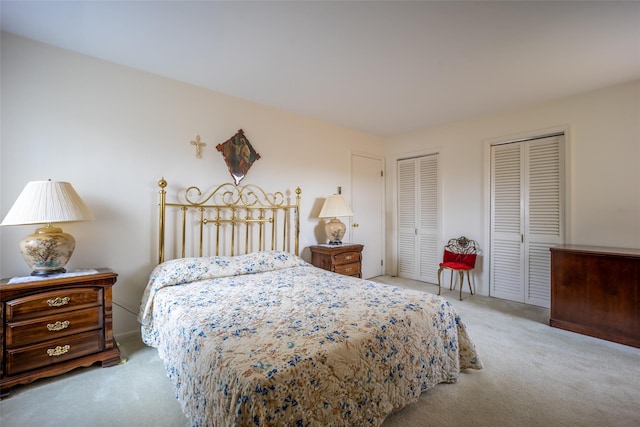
(382, 173)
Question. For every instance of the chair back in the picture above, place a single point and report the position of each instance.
(461, 250)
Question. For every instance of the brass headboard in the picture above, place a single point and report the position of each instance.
(225, 217)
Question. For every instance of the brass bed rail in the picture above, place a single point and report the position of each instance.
(266, 221)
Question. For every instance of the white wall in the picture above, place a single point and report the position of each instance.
(113, 132)
(603, 177)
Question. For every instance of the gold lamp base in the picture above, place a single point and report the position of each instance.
(47, 250)
(335, 230)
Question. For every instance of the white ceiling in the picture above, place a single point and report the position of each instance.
(384, 67)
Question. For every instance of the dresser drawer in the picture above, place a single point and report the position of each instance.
(58, 325)
(50, 352)
(346, 258)
(51, 302)
(348, 269)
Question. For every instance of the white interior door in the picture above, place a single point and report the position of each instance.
(367, 204)
(526, 217)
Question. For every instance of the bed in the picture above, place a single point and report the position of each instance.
(264, 338)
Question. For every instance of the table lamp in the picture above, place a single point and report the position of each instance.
(48, 250)
(335, 206)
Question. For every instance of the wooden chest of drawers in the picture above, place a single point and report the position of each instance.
(342, 259)
(595, 291)
(51, 326)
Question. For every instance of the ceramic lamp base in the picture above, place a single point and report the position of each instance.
(47, 250)
(335, 230)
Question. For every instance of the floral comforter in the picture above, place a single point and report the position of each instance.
(266, 339)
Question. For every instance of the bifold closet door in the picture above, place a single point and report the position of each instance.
(418, 218)
(526, 217)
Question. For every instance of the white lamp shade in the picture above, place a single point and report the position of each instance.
(44, 202)
(335, 206)
(47, 250)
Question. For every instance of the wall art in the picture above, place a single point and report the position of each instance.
(239, 155)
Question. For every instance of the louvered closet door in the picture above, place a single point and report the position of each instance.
(544, 206)
(418, 218)
(507, 250)
(526, 217)
(407, 221)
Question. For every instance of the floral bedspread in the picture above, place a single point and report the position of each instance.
(266, 339)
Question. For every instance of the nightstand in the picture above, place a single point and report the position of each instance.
(53, 325)
(343, 259)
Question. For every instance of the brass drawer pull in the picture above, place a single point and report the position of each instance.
(348, 269)
(58, 326)
(58, 302)
(58, 351)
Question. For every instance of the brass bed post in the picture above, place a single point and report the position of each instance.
(274, 215)
(285, 228)
(297, 239)
(233, 231)
(202, 223)
(184, 230)
(247, 218)
(260, 228)
(217, 231)
(163, 197)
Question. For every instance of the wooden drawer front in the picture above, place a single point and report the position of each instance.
(58, 325)
(348, 269)
(48, 353)
(346, 258)
(57, 301)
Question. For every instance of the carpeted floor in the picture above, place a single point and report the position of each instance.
(533, 375)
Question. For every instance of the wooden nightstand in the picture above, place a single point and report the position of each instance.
(343, 259)
(51, 326)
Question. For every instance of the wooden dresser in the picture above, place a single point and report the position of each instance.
(343, 259)
(51, 326)
(596, 291)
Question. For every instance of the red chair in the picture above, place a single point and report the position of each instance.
(459, 256)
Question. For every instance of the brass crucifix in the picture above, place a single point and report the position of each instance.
(199, 144)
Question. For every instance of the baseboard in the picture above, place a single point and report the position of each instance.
(128, 334)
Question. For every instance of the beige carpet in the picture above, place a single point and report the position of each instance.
(534, 375)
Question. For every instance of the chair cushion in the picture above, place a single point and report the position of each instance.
(458, 261)
(455, 266)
